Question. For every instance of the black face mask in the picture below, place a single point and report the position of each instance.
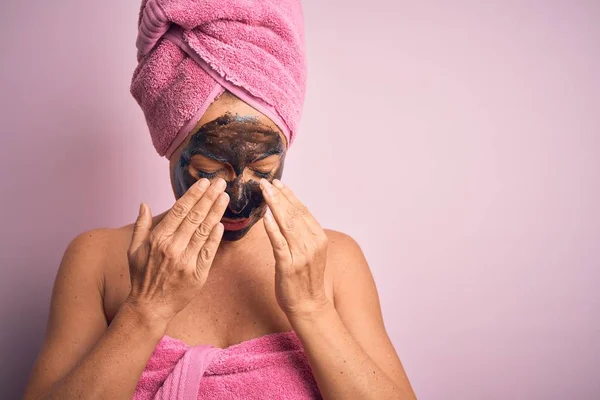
(236, 142)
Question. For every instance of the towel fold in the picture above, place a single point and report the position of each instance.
(190, 51)
(273, 366)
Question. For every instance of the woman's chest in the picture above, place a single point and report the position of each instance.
(230, 309)
(236, 303)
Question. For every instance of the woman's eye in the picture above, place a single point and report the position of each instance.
(262, 174)
(207, 175)
(204, 174)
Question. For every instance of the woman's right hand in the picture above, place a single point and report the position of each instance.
(169, 264)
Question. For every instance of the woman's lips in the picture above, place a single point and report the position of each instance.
(235, 224)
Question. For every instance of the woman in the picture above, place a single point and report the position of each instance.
(238, 267)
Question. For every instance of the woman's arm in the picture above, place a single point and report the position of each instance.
(347, 346)
(342, 367)
(80, 357)
(168, 267)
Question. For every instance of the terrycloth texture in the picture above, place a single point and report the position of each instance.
(254, 49)
(268, 367)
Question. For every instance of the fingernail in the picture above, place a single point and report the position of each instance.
(268, 187)
(203, 184)
(220, 184)
(278, 184)
(223, 198)
(141, 212)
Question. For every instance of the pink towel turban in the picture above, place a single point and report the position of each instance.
(254, 49)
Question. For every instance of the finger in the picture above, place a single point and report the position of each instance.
(300, 207)
(274, 199)
(203, 231)
(281, 250)
(207, 253)
(285, 215)
(141, 228)
(182, 206)
(196, 217)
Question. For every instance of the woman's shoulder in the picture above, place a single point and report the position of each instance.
(93, 254)
(341, 244)
(344, 255)
(99, 257)
(104, 244)
(94, 245)
(100, 244)
(354, 290)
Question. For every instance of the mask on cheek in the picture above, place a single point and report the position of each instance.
(182, 178)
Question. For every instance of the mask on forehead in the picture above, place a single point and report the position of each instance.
(241, 150)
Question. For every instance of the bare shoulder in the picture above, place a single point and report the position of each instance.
(94, 242)
(99, 248)
(344, 252)
(90, 250)
(104, 249)
(97, 255)
(341, 242)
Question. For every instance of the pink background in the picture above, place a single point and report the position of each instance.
(459, 144)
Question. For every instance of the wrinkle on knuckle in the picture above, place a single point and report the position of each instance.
(292, 212)
(168, 249)
(195, 217)
(205, 254)
(280, 244)
(289, 225)
(179, 210)
(197, 237)
(204, 229)
(302, 210)
(201, 233)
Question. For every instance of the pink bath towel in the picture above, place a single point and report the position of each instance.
(190, 51)
(273, 366)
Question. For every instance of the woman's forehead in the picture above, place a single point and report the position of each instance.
(245, 127)
(235, 134)
(240, 116)
(227, 103)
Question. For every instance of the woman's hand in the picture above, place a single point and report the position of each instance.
(300, 250)
(169, 264)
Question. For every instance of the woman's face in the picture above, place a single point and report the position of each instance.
(235, 142)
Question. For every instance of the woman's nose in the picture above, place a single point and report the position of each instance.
(238, 195)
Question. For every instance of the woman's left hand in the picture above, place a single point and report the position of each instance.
(300, 250)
